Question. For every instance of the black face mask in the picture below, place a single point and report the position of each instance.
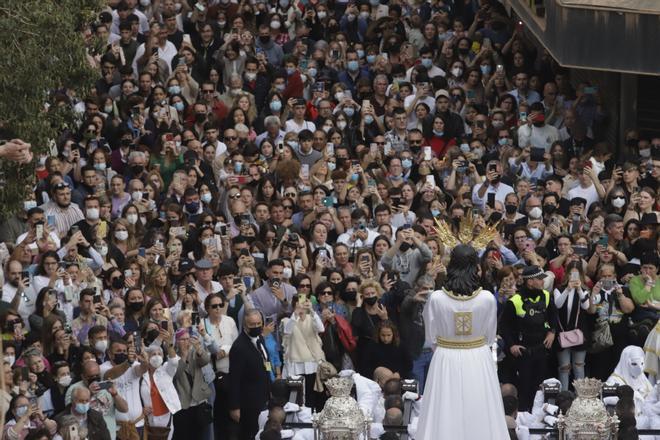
(120, 358)
(538, 124)
(265, 39)
(135, 306)
(632, 143)
(510, 209)
(340, 162)
(371, 301)
(137, 170)
(464, 51)
(254, 331)
(549, 209)
(151, 336)
(117, 283)
(495, 217)
(200, 117)
(348, 295)
(94, 379)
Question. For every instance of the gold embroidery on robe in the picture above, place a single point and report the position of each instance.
(463, 323)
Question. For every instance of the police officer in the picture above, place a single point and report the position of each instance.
(527, 327)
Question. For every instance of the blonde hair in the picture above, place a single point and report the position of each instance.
(371, 284)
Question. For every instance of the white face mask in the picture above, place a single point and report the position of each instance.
(618, 202)
(156, 361)
(101, 346)
(535, 232)
(636, 367)
(103, 250)
(646, 152)
(287, 273)
(93, 213)
(341, 125)
(145, 3)
(339, 96)
(10, 359)
(65, 381)
(535, 212)
(29, 204)
(136, 196)
(275, 24)
(206, 197)
(132, 218)
(121, 235)
(457, 71)
(321, 15)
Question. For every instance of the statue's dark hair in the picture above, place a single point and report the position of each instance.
(463, 271)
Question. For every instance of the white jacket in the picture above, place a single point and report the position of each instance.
(163, 377)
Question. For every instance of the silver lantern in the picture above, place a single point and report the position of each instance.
(341, 417)
(587, 418)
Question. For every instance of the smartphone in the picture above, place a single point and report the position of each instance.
(195, 318)
(537, 154)
(154, 50)
(25, 374)
(297, 264)
(520, 26)
(51, 221)
(269, 320)
(200, 7)
(428, 155)
(590, 90)
(366, 102)
(387, 148)
(223, 229)
(603, 240)
(373, 148)
(575, 276)
(105, 385)
(430, 179)
(142, 252)
(522, 116)
(128, 273)
(275, 282)
(39, 230)
(364, 258)
(304, 171)
(242, 180)
(328, 202)
(163, 325)
(491, 200)
(97, 299)
(25, 275)
(575, 224)
(302, 297)
(247, 281)
(330, 149)
(470, 94)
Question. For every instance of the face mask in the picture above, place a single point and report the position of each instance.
(535, 232)
(293, 144)
(250, 76)
(284, 3)
(332, 166)
(276, 106)
(404, 247)
(457, 71)
(136, 196)
(200, 117)
(287, 272)
(121, 235)
(353, 66)
(321, 15)
(646, 152)
(341, 125)
(350, 17)
(339, 96)
(137, 170)
(265, 39)
(65, 381)
(156, 361)
(99, 166)
(192, 207)
(145, 3)
(368, 119)
(174, 90)
(435, 212)
(132, 219)
(275, 24)
(92, 214)
(178, 106)
(29, 204)
(465, 148)
(312, 72)
(535, 212)
(618, 202)
(206, 197)
(463, 50)
(107, 109)
(371, 59)
(636, 370)
(120, 358)
(254, 332)
(549, 209)
(371, 301)
(222, 24)
(503, 141)
(406, 163)
(427, 62)
(21, 410)
(350, 111)
(135, 306)
(101, 346)
(10, 359)
(364, 15)
(485, 69)
(103, 250)
(438, 133)
(360, 52)
(82, 408)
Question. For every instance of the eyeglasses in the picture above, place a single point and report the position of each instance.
(326, 292)
(216, 306)
(304, 286)
(207, 91)
(231, 138)
(415, 141)
(287, 207)
(61, 185)
(235, 196)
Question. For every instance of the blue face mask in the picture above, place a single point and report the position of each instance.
(290, 70)
(276, 106)
(503, 141)
(485, 69)
(312, 72)
(353, 66)
(435, 212)
(192, 206)
(465, 148)
(350, 111)
(332, 166)
(293, 144)
(360, 53)
(371, 59)
(427, 62)
(374, 2)
(174, 90)
(99, 166)
(438, 133)
(178, 106)
(406, 163)
(368, 119)
(82, 408)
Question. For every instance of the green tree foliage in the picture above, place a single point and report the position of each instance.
(43, 52)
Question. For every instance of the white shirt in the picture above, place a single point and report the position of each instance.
(432, 72)
(52, 236)
(28, 301)
(292, 126)
(144, 23)
(128, 386)
(224, 334)
(202, 293)
(589, 194)
(501, 191)
(220, 148)
(537, 137)
(165, 53)
(345, 238)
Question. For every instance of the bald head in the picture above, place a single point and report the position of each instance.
(382, 375)
(277, 414)
(508, 389)
(393, 416)
(80, 394)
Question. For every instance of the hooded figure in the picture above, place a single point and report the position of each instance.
(630, 371)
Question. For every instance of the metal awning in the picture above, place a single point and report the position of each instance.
(638, 6)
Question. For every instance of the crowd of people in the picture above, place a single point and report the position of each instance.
(251, 195)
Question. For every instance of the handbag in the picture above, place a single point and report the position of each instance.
(204, 413)
(156, 432)
(571, 338)
(345, 333)
(127, 431)
(601, 337)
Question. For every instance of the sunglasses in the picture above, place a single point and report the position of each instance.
(304, 286)
(287, 207)
(216, 306)
(235, 196)
(289, 194)
(207, 91)
(326, 292)
(231, 138)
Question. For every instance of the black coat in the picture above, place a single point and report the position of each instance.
(248, 380)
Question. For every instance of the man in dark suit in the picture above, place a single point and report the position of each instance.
(249, 376)
(91, 418)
